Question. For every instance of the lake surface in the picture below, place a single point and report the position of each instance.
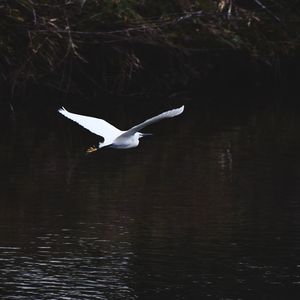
(208, 207)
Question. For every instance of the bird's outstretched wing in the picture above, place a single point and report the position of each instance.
(97, 126)
(165, 115)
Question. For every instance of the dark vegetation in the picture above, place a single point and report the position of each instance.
(138, 47)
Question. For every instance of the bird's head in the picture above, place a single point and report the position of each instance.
(140, 134)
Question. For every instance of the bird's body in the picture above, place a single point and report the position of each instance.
(113, 137)
(126, 142)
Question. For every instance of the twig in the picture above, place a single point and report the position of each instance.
(267, 10)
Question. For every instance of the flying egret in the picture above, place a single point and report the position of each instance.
(113, 137)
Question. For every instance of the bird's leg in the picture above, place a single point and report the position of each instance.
(91, 149)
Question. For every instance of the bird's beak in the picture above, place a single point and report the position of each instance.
(146, 134)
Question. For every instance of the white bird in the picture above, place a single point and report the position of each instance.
(113, 137)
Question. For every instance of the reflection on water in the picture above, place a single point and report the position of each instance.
(207, 207)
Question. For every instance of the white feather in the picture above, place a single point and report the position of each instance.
(165, 115)
(112, 135)
(97, 126)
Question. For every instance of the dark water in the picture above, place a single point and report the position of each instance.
(208, 207)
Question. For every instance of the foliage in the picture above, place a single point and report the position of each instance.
(109, 43)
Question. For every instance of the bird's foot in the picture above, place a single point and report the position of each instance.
(91, 149)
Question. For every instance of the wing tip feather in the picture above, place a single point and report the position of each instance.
(179, 110)
(62, 110)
